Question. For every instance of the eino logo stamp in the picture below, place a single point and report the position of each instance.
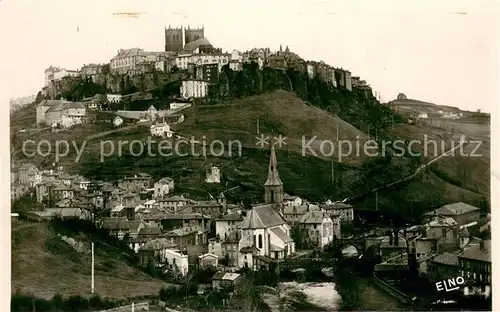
(450, 284)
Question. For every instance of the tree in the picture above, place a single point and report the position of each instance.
(94, 189)
(300, 237)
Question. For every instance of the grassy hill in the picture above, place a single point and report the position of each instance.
(314, 177)
(44, 265)
(415, 106)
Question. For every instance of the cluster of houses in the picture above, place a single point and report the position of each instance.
(189, 50)
(443, 247)
(173, 232)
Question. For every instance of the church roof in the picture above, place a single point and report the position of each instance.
(193, 45)
(273, 177)
(262, 217)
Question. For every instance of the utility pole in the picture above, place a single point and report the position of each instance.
(92, 286)
(194, 112)
(332, 173)
(258, 125)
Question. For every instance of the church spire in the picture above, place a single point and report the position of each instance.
(273, 177)
(273, 186)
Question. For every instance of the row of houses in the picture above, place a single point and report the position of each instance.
(443, 248)
(204, 62)
(170, 231)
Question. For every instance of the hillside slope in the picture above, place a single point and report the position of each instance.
(416, 106)
(44, 265)
(316, 178)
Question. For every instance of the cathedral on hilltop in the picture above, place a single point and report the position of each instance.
(177, 38)
(273, 187)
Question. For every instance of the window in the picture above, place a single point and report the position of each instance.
(260, 241)
(315, 226)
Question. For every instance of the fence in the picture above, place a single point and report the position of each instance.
(390, 290)
(144, 306)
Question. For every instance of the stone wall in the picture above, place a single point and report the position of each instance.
(390, 290)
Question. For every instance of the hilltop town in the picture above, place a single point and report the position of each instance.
(176, 236)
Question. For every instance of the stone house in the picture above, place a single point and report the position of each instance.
(225, 224)
(64, 191)
(208, 260)
(145, 235)
(161, 130)
(163, 253)
(212, 174)
(230, 247)
(290, 200)
(119, 227)
(42, 108)
(27, 173)
(175, 203)
(345, 211)
(194, 88)
(211, 208)
(320, 228)
(136, 182)
(293, 214)
(475, 266)
(225, 280)
(443, 266)
(462, 213)
(163, 187)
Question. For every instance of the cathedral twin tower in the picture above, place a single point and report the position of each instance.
(176, 38)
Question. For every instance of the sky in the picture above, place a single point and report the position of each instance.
(438, 51)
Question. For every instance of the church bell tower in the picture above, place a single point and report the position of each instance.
(273, 186)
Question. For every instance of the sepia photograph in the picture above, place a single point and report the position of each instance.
(249, 155)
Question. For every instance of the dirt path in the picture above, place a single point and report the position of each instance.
(104, 133)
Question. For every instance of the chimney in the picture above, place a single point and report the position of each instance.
(396, 237)
(390, 239)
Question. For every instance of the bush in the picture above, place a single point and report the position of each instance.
(168, 293)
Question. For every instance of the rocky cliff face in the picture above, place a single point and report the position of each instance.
(114, 83)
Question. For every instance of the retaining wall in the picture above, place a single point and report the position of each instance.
(390, 290)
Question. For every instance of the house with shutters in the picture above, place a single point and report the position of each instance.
(321, 227)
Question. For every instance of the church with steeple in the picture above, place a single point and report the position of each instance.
(265, 233)
(273, 187)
